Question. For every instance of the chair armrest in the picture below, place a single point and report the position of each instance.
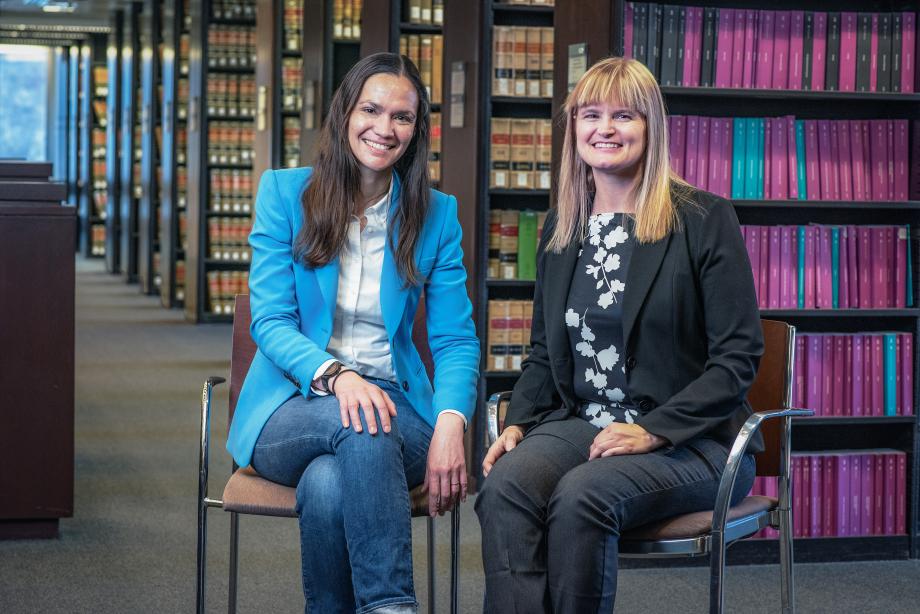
(205, 441)
(492, 406)
(739, 447)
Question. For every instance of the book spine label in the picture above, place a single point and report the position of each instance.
(847, 52)
(796, 42)
(737, 71)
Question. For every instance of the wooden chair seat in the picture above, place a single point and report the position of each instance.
(686, 526)
(247, 492)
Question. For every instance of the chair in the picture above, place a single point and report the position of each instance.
(247, 493)
(710, 533)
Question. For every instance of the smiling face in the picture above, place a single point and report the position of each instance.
(610, 138)
(382, 122)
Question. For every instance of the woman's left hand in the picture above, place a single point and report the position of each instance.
(619, 438)
(445, 476)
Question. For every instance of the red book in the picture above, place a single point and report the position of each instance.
(763, 77)
(907, 374)
(827, 375)
(797, 497)
(855, 492)
(768, 158)
(796, 48)
(781, 50)
(857, 163)
(628, 30)
(900, 524)
(697, 42)
(852, 268)
(765, 265)
(891, 493)
(788, 267)
(724, 38)
(878, 491)
(773, 285)
(857, 407)
(812, 161)
(750, 59)
(702, 155)
(826, 156)
(819, 51)
(866, 493)
(847, 375)
(716, 155)
(847, 80)
(908, 49)
(873, 55)
(811, 266)
(899, 157)
(844, 163)
(792, 157)
(779, 169)
(737, 72)
(877, 383)
(828, 496)
(842, 462)
(799, 382)
(677, 143)
(879, 158)
(900, 267)
(813, 374)
(835, 160)
(837, 370)
(865, 267)
(843, 283)
(816, 506)
(692, 150)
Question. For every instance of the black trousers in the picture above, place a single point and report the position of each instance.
(551, 520)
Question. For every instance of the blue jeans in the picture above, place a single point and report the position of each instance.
(352, 498)
(551, 519)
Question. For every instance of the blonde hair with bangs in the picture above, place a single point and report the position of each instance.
(628, 83)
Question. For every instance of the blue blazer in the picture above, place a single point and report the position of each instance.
(293, 307)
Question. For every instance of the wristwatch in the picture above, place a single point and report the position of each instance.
(334, 369)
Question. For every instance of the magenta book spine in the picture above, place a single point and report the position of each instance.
(879, 264)
(819, 51)
(848, 375)
(852, 267)
(811, 266)
(844, 160)
(828, 496)
(816, 505)
(877, 149)
(856, 157)
(899, 157)
(724, 39)
(855, 492)
(768, 158)
(847, 80)
(750, 57)
(773, 285)
(728, 139)
(693, 143)
(837, 372)
(792, 178)
(786, 270)
(842, 463)
(702, 158)
(765, 264)
(806, 495)
(878, 494)
(843, 291)
(900, 268)
(697, 43)
(827, 375)
(737, 71)
(813, 374)
(781, 50)
(856, 374)
(891, 493)
(835, 160)
(901, 495)
(866, 494)
(865, 267)
(752, 242)
(878, 374)
(796, 48)
(867, 156)
(908, 50)
(799, 382)
(826, 155)
(797, 497)
(907, 374)
(716, 154)
(824, 290)
(764, 73)
(873, 55)
(812, 160)
(779, 168)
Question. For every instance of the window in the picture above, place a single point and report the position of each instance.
(24, 81)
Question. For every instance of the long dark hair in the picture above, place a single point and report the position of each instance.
(329, 200)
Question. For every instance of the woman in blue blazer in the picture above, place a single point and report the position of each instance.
(337, 401)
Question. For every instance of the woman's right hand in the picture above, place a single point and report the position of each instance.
(506, 442)
(354, 392)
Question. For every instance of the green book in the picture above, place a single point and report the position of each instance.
(527, 245)
(891, 374)
(835, 265)
(800, 157)
(739, 151)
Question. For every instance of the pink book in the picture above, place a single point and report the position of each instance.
(750, 24)
(860, 190)
(805, 463)
(842, 462)
(856, 374)
(787, 268)
(878, 492)
(826, 156)
(813, 368)
(839, 360)
(879, 161)
(796, 48)
(811, 266)
(797, 497)
(878, 375)
(794, 276)
(828, 495)
(692, 151)
(867, 157)
(752, 242)
(780, 158)
(844, 162)
(819, 51)
(878, 260)
(898, 396)
(873, 55)
(891, 242)
(799, 382)
(908, 49)
(812, 161)
(843, 284)
(689, 35)
(765, 265)
(781, 50)
(767, 158)
(773, 285)
(724, 39)
(827, 375)
(835, 160)
(793, 158)
(866, 477)
(900, 524)
(678, 143)
(823, 291)
(847, 79)
(697, 43)
(702, 155)
(737, 72)
(865, 267)
(772, 491)
(907, 374)
(900, 268)
(852, 268)
(889, 160)
(816, 505)
(868, 400)
(891, 497)
(764, 72)
(855, 492)
(716, 155)
(899, 157)
(728, 139)
(628, 31)
(847, 375)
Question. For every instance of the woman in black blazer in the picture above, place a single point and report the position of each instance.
(646, 337)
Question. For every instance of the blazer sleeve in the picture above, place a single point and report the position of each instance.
(449, 319)
(275, 324)
(535, 393)
(733, 333)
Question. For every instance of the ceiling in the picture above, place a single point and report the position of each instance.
(31, 13)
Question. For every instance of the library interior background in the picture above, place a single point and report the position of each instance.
(132, 138)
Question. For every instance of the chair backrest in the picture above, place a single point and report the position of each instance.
(772, 389)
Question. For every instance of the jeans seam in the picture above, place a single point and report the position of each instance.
(387, 602)
(275, 444)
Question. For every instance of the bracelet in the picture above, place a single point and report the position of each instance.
(335, 377)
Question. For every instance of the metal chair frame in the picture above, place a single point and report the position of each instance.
(724, 532)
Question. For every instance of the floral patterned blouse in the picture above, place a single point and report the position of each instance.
(594, 316)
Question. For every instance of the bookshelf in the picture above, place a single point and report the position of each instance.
(148, 189)
(74, 122)
(94, 175)
(130, 186)
(112, 186)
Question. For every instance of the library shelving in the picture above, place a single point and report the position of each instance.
(176, 27)
(112, 144)
(150, 148)
(94, 133)
(74, 96)
(221, 113)
(130, 146)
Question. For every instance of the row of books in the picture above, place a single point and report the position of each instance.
(846, 493)
(98, 150)
(780, 158)
(520, 153)
(864, 374)
(97, 240)
(346, 20)
(764, 49)
(233, 9)
(424, 11)
(185, 43)
(508, 334)
(513, 239)
(231, 47)
(223, 286)
(228, 238)
(179, 279)
(292, 24)
(98, 166)
(830, 267)
(522, 61)
(231, 95)
(292, 90)
(231, 191)
(230, 142)
(427, 52)
(100, 116)
(528, 2)
(100, 198)
(290, 137)
(434, 153)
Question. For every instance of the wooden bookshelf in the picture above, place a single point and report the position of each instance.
(94, 131)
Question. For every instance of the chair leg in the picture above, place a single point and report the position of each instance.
(716, 572)
(431, 566)
(234, 561)
(454, 562)
(785, 561)
(202, 557)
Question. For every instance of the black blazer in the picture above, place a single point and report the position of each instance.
(690, 323)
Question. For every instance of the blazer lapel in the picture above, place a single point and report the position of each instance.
(393, 292)
(557, 277)
(644, 265)
(327, 278)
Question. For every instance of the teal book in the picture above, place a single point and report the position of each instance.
(891, 377)
(910, 273)
(801, 266)
(800, 157)
(739, 150)
(761, 143)
(835, 265)
(750, 156)
(527, 245)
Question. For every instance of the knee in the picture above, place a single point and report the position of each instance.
(501, 494)
(319, 492)
(579, 504)
(380, 445)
